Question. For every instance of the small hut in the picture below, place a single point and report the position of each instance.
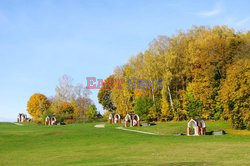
(50, 120)
(132, 120)
(47, 121)
(53, 120)
(114, 118)
(196, 127)
(201, 127)
(22, 118)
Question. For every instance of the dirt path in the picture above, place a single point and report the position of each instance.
(100, 125)
(136, 131)
(18, 124)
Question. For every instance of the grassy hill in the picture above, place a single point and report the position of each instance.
(83, 144)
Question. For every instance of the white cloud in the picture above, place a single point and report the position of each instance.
(213, 12)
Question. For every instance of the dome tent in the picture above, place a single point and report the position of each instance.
(132, 120)
(196, 127)
(114, 118)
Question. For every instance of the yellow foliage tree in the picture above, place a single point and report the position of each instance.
(235, 94)
(37, 104)
(64, 110)
(192, 65)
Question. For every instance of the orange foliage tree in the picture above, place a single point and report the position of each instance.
(37, 105)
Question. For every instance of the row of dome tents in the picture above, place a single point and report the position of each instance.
(21, 118)
(49, 120)
(129, 120)
(195, 127)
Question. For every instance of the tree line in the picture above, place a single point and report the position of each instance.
(71, 103)
(204, 72)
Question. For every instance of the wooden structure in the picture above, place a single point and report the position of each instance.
(132, 120)
(114, 118)
(50, 120)
(196, 127)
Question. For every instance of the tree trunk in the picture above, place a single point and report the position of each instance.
(170, 97)
(153, 96)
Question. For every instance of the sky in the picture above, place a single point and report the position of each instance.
(41, 40)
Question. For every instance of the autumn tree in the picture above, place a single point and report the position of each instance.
(121, 96)
(194, 67)
(76, 95)
(63, 110)
(37, 105)
(81, 100)
(70, 103)
(235, 94)
(104, 94)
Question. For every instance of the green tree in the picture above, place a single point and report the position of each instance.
(192, 105)
(91, 112)
(154, 113)
(142, 107)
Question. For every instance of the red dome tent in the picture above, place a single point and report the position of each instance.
(50, 120)
(196, 127)
(132, 120)
(22, 118)
(114, 118)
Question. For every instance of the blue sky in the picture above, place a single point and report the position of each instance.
(40, 40)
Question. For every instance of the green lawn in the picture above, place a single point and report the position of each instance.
(82, 144)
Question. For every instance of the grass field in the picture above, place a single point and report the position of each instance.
(83, 144)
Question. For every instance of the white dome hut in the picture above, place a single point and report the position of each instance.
(132, 120)
(196, 127)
